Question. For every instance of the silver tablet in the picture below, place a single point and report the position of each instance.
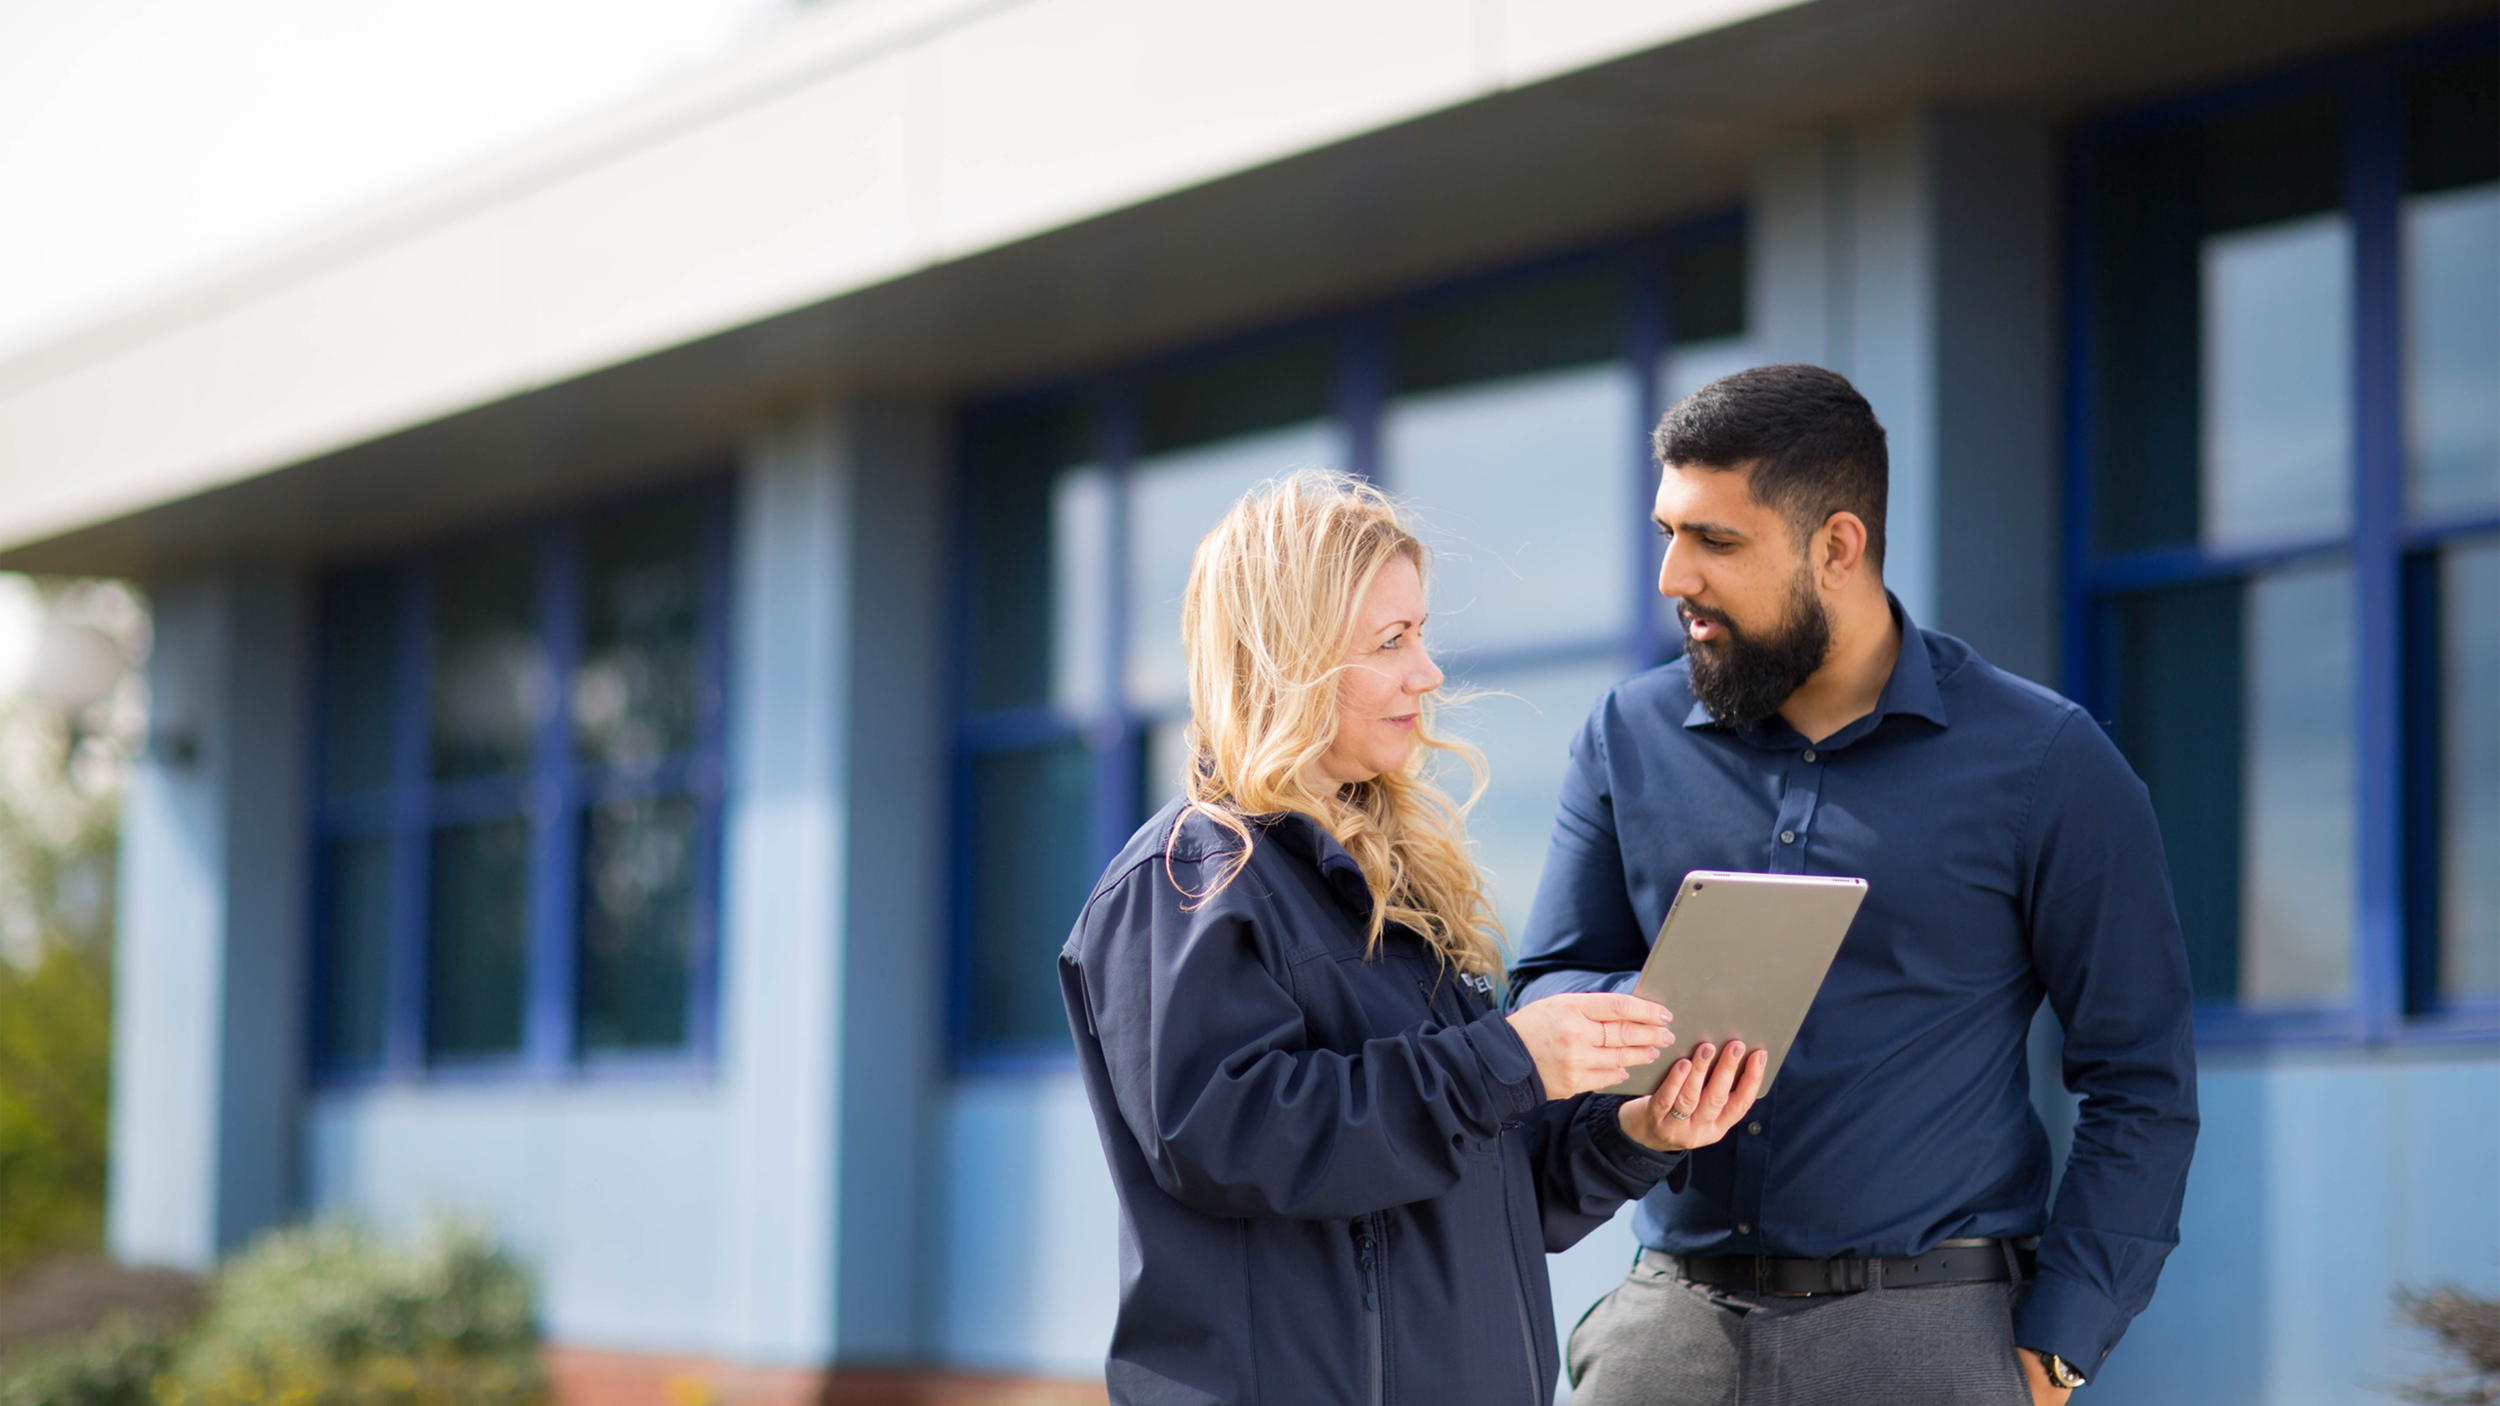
(1740, 957)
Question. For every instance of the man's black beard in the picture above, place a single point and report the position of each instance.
(1743, 680)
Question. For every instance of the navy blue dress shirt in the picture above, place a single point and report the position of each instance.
(2009, 854)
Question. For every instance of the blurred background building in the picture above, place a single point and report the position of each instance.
(661, 608)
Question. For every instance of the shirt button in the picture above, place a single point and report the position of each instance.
(1788, 837)
(1809, 754)
(1743, 1229)
(1754, 1128)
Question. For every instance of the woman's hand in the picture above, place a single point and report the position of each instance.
(1584, 1040)
(1699, 1100)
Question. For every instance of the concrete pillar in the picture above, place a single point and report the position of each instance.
(1916, 254)
(833, 915)
(208, 999)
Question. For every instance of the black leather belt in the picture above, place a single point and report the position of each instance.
(1951, 1262)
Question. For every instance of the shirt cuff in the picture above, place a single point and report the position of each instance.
(1506, 1061)
(1638, 1165)
(2071, 1319)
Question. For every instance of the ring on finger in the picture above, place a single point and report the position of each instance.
(1678, 1114)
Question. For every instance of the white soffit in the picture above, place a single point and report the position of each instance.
(865, 141)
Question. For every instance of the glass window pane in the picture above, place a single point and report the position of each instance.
(2234, 703)
(2221, 312)
(1516, 330)
(1033, 862)
(637, 906)
(1706, 310)
(1524, 721)
(492, 683)
(1514, 440)
(1524, 489)
(2469, 771)
(2451, 232)
(1041, 559)
(2296, 857)
(355, 949)
(636, 689)
(360, 677)
(2176, 698)
(477, 938)
(2277, 381)
(1264, 415)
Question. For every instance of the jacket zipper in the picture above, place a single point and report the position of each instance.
(1367, 1255)
(1518, 1289)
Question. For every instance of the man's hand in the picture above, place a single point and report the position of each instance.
(2036, 1376)
(1584, 1040)
(1699, 1100)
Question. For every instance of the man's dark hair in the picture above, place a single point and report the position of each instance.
(1812, 440)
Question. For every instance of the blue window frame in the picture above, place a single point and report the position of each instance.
(517, 798)
(1507, 409)
(2283, 528)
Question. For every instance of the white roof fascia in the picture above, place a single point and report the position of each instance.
(862, 142)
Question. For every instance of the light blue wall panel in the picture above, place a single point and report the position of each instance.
(611, 1193)
(1031, 1228)
(2320, 1185)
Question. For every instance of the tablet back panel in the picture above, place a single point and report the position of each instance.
(1740, 956)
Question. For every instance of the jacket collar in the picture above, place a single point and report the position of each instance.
(1304, 837)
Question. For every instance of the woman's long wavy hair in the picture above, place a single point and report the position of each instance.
(1267, 621)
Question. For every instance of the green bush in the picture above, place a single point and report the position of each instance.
(319, 1316)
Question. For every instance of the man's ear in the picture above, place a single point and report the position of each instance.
(1839, 550)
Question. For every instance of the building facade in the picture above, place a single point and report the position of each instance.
(656, 635)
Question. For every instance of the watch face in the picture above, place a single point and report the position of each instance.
(2059, 1372)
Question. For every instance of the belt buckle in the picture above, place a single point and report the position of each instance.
(1762, 1274)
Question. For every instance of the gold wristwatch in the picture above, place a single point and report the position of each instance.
(2059, 1373)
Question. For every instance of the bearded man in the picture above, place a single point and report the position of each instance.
(1879, 1230)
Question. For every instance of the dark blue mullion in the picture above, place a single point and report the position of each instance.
(2188, 565)
(554, 809)
(2373, 188)
(412, 762)
(1648, 330)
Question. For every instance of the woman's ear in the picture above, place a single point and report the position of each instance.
(1839, 550)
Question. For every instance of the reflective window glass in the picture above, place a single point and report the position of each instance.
(2296, 855)
(1523, 721)
(1512, 439)
(2234, 704)
(1031, 852)
(355, 953)
(2277, 377)
(477, 938)
(635, 689)
(1040, 560)
(360, 680)
(1706, 312)
(2469, 770)
(492, 682)
(2451, 250)
(2222, 274)
(637, 923)
(1210, 435)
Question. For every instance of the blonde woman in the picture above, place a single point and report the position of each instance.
(1340, 1165)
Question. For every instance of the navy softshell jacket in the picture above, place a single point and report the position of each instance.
(1338, 1177)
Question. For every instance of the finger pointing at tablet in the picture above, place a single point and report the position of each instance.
(1585, 1040)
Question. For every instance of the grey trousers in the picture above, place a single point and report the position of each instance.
(1660, 1340)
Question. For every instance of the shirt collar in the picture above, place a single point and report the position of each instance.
(1911, 689)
